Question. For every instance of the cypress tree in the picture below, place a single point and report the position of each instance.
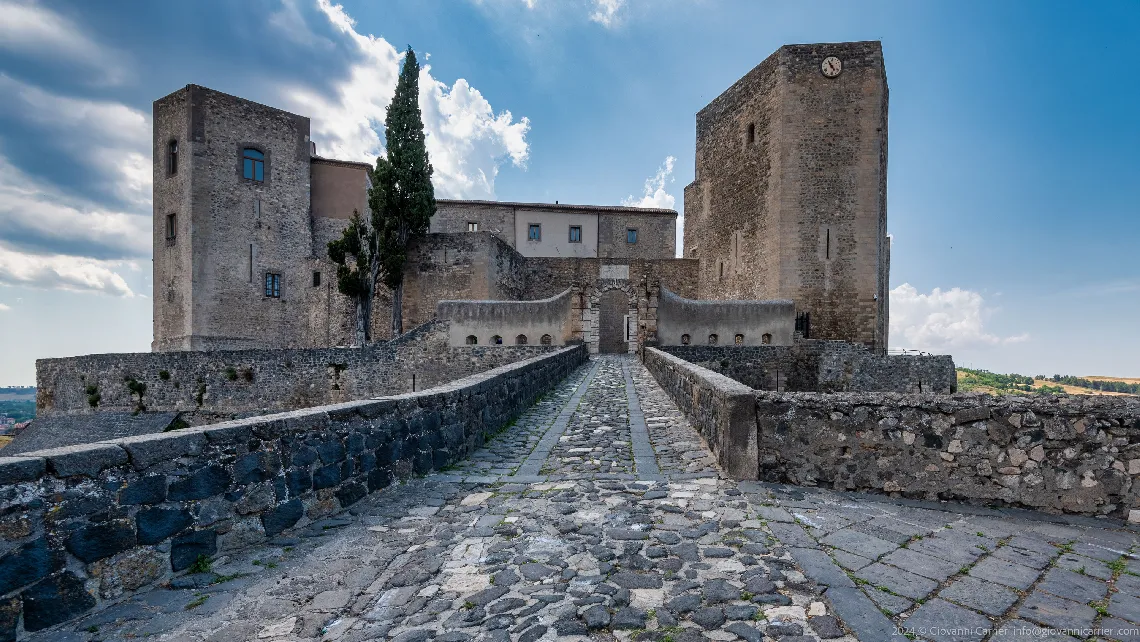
(406, 199)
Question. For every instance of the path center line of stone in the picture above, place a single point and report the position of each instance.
(644, 457)
(537, 457)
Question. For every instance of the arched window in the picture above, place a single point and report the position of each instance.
(686, 339)
(547, 339)
(766, 338)
(739, 340)
(172, 157)
(472, 340)
(497, 340)
(520, 340)
(712, 339)
(253, 164)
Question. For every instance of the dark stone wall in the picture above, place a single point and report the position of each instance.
(823, 366)
(90, 523)
(210, 386)
(1057, 453)
(1078, 454)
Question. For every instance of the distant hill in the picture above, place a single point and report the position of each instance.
(970, 380)
(17, 393)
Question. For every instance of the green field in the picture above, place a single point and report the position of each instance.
(21, 410)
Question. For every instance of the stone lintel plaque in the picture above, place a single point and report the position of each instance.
(620, 272)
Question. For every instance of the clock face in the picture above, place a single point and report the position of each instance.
(831, 66)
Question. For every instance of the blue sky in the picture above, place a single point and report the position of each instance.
(1013, 168)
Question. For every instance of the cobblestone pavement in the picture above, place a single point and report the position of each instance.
(600, 515)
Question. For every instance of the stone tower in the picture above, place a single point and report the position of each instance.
(789, 197)
(231, 222)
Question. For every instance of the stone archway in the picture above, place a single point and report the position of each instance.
(611, 313)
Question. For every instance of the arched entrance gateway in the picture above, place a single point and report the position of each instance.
(613, 317)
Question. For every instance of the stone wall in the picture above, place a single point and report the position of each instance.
(87, 524)
(1073, 454)
(514, 322)
(723, 411)
(755, 322)
(823, 366)
(212, 385)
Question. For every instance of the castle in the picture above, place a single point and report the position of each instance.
(785, 230)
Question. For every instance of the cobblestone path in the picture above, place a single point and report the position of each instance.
(599, 514)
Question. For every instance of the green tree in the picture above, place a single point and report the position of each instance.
(401, 202)
(403, 192)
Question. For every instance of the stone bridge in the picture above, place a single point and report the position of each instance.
(597, 513)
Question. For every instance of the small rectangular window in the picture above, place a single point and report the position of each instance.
(172, 157)
(171, 228)
(472, 226)
(316, 279)
(534, 232)
(257, 208)
(272, 285)
(751, 133)
(631, 235)
(575, 233)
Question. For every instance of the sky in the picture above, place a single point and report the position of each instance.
(1014, 146)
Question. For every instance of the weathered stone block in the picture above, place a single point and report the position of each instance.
(148, 450)
(97, 541)
(331, 452)
(327, 476)
(256, 467)
(256, 499)
(85, 459)
(205, 482)
(156, 524)
(9, 617)
(282, 517)
(18, 469)
(971, 414)
(56, 599)
(26, 564)
(185, 550)
(148, 490)
(299, 481)
(350, 493)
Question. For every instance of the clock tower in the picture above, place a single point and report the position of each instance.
(789, 197)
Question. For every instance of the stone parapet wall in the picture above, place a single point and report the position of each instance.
(212, 385)
(1058, 453)
(87, 524)
(514, 322)
(1075, 454)
(823, 366)
(720, 409)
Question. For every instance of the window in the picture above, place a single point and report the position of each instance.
(546, 340)
(171, 228)
(712, 339)
(472, 340)
(534, 232)
(827, 250)
(575, 233)
(472, 226)
(686, 339)
(257, 209)
(720, 264)
(272, 285)
(497, 340)
(252, 165)
(766, 338)
(739, 340)
(316, 279)
(631, 235)
(520, 340)
(751, 133)
(172, 157)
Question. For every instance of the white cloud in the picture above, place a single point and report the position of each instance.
(40, 218)
(466, 140)
(31, 28)
(655, 194)
(4, 308)
(112, 139)
(605, 12)
(941, 320)
(59, 272)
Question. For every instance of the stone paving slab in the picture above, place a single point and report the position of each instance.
(599, 514)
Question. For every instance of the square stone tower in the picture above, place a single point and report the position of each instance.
(789, 200)
(231, 222)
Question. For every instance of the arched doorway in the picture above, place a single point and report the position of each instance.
(613, 317)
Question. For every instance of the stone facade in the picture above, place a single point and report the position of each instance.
(789, 199)
(682, 321)
(88, 524)
(217, 385)
(490, 323)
